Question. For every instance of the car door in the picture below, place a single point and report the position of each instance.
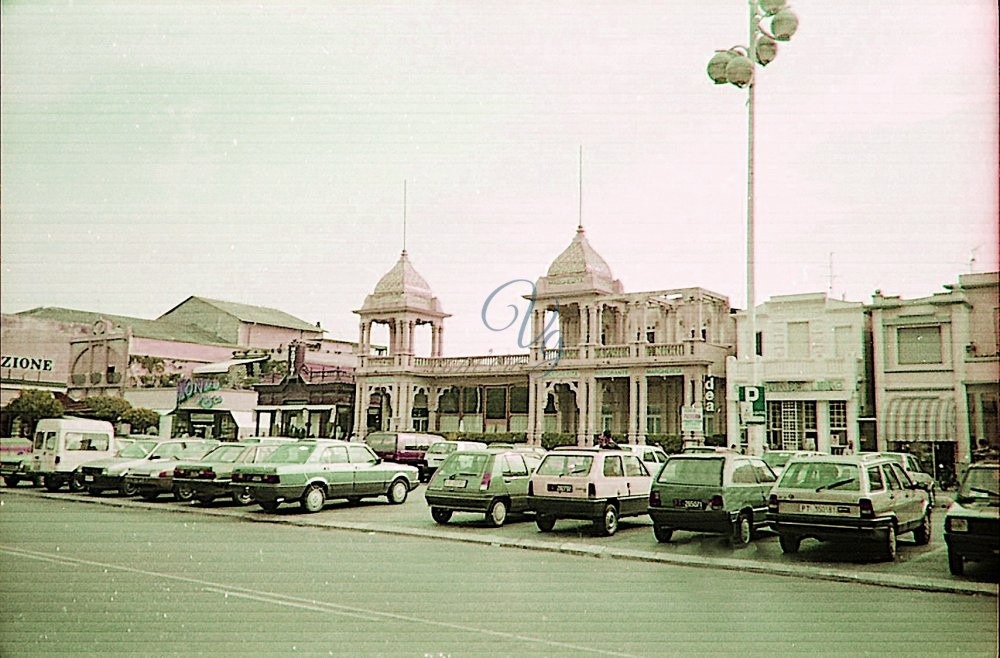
(891, 502)
(638, 478)
(765, 482)
(337, 471)
(909, 499)
(515, 479)
(742, 490)
(369, 478)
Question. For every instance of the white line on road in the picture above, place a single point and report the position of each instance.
(304, 604)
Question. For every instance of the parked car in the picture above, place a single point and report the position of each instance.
(653, 457)
(439, 451)
(402, 447)
(972, 524)
(210, 477)
(723, 493)
(705, 450)
(109, 473)
(588, 483)
(490, 481)
(849, 497)
(155, 477)
(777, 459)
(15, 460)
(62, 444)
(312, 472)
(912, 466)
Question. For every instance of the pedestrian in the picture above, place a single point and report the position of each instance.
(605, 441)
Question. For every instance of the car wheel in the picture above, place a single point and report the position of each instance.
(956, 563)
(662, 533)
(497, 513)
(183, 493)
(743, 530)
(398, 491)
(922, 535)
(270, 506)
(241, 496)
(441, 515)
(545, 523)
(52, 483)
(889, 544)
(608, 523)
(313, 499)
(789, 543)
(11, 481)
(128, 489)
(76, 483)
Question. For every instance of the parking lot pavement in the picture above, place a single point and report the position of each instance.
(917, 567)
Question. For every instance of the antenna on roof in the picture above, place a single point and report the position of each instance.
(831, 276)
(404, 215)
(579, 225)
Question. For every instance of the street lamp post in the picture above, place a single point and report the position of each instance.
(737, 67)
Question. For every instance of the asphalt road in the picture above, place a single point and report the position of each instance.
(80, 578)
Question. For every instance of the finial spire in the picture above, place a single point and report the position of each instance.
(404, 215)
(579, 225)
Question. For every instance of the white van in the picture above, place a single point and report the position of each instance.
(62, 444)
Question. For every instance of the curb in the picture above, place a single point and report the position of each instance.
(897, 581)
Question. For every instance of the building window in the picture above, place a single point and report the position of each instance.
(496, 403)
(791, 425)
(650, 336)
(838, 426)
(654, 419)
(915, 345)
(798, 340)
(760, 343)
(842, 342)
(519, 399)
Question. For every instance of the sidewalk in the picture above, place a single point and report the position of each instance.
(581, 546)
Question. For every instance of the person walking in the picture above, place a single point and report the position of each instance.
(605, 441)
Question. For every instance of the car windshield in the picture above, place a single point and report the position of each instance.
(778, 459)
(441, 448)
(980, 483)
(820, 476)
(704, 472)
(292, 453)
(565, 465)
(225, 454)
(137, 450)
(464, 463)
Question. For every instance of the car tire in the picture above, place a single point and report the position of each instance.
(743, 531)
(313, 499)
(440, 515)
(607, 525)
(922, 535)
(544, 522)
(128, 489)
(662, 533)
(789, 543)
(497, 514)
(398, 491)
(52, 482)
(889, 546)
(956, 563)
(76, 484)
(11, 481)
(183, 494)
(269, 506)
(241, 496)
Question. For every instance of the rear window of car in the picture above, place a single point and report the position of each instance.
(225, 454)
(819, 476)
(461, 463)
(705, 472)
(578, 465)
(980, 482)
(291, 454)
(778, 459)
(137, 450)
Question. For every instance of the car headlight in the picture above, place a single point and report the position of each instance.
(958, 525)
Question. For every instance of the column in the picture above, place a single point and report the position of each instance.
(596, 400)
(540, 400)
(433, 395)
(532, 394)
(593, 329)
(633, 409)
(434, 339)
(410, 335)
(582, 338)
(643, 408)
(581, 413)
(823, 426)
(440, 349)
(599, 328)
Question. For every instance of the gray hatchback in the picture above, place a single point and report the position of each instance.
(491, 482)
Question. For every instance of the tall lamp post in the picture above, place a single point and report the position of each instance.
(737, 66)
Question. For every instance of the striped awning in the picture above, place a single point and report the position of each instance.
(917, 418)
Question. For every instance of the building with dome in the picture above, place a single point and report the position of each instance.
(635, 363)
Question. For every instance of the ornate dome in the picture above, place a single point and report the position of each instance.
(403, 279)
(579, 258)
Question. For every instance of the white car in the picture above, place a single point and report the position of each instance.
(439, 451)
(652, 456)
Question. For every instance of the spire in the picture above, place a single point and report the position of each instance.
(579, 225)
(404, 216)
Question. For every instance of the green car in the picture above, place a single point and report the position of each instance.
(210, 477)
(312, 472)
(972, 526)
(725, 493)
(491, 482)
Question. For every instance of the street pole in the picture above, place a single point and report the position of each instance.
(755, 431)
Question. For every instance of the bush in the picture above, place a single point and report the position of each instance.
(671, 443)
(103, 407)
(31, 406)
(551, 440)
(141, 419)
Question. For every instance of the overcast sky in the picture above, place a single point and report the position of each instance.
(256, 152)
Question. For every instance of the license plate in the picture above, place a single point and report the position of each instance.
(810, 508)
(456, 484)
(88, 478)
(561, 488)
(689, 504)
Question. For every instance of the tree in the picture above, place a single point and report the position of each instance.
(31, 406)
(141, 419)
(104, 407)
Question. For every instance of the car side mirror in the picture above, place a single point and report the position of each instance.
(378, 460)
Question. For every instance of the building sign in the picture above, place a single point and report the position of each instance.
(708, 397)
(611, 373)
(25, 363)
(752, 409)
(791, 387)
(663, 371)
(188, 388)
(692, 419)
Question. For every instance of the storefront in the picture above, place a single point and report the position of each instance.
(204, 409)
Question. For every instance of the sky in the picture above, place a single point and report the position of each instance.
(257, 152)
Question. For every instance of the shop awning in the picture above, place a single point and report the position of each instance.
(244, 419)
(916, 418)
(224, 366)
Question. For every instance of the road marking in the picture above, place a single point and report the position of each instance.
(296, 602)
